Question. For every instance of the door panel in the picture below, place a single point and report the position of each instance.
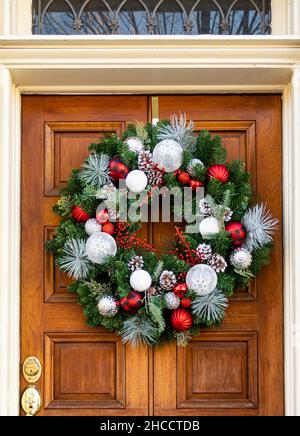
(237, 369)
(234, 370)
(85, 370)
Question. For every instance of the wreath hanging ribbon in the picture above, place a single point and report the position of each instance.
(118, 277)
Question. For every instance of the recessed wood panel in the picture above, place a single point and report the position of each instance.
(84, 370)
(218, 370)
(55, 281)
(66, 147)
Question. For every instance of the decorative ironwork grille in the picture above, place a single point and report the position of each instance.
(157, 17)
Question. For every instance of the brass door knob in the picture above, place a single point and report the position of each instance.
(31, 401)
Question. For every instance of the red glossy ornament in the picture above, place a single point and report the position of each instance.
(186, 302)
(117, 169)
(194, 184)
(180, 290)
(132, 302)
(181, 320)
(219, 172)
(184, 177)
(108, 228)
(79, 214)
(102, 216)
(237, 232)
(124, 304)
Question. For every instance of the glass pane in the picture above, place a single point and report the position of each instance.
(161, 17)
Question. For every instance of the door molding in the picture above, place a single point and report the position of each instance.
(274, 66)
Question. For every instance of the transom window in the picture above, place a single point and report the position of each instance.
(156, 17)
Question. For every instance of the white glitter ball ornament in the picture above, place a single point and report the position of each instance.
(92, 226)
(201, 279)
(168, 154)
(209, 227)
(107, 307)
(172, 301)
(134, 144)
(241, 258)
(191, 166)
(99, 247)
(140, 280)
(136, 181)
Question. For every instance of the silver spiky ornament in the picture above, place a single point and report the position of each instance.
(95, 170)
(134, 144)
(191, 166)
(92, 226)
(180, 131)
(210, 308)
(107, 306)
(172, 301)
(74, 259)
(241, 258)
(260, 226)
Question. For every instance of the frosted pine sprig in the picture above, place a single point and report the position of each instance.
(210, 308)
(74, 260)
(95, 170)
(260, 226)
(138, 331)
(179, 131)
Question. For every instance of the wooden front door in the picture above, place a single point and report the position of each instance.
(235, 370)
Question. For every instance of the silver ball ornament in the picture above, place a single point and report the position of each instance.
(168, 154)
(191, 166)
(92, 226)
(99, 247)
(201, 279)
(135, 144)
(172, 301)
(241, 258)
(107, 307)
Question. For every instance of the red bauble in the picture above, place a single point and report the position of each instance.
(117, 169)
(194, 184)
(237, 232)
(79, 214)
(180, 290)
(132, 302)
(108, 228)
(184, 177)
(181, 320)
(102, 216)
(219, 172)
(186, 302)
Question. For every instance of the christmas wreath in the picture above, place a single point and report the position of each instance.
(118, 278)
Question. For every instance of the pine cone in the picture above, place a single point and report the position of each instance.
(218, 263)
(228, 215)
(155, 177)
(205, 208)
(167, 280)
(136, 263)
(154, 291)
(145, 162)
(204, 251)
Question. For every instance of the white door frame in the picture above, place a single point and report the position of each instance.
(144, 65)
